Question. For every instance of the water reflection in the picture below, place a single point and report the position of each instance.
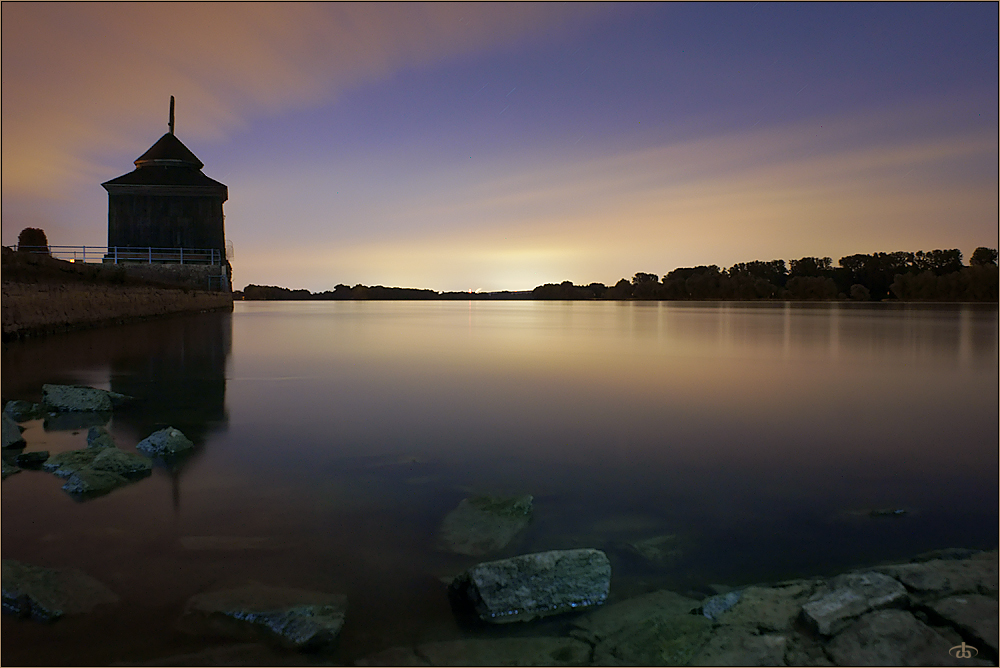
(175, 368)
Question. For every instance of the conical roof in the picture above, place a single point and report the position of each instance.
(168, 151)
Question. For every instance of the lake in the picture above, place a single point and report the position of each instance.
(333, 437)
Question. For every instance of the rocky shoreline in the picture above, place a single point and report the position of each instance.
(940, 608)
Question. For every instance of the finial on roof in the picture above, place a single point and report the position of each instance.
(171, 123)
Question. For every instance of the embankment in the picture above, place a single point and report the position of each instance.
(45, 308)
(42, 295)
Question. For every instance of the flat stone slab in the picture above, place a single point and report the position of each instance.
(852, 595)
(938, 577)
(535, 585)
(165, 443)
(75, 398)
(974, 614)
(293, 618)
(10, 432)
(65, 464)
(484, 524)
(45, 594)
(893, 638)
(735, 646)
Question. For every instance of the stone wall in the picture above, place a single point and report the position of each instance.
(32, 309)
(194, 276)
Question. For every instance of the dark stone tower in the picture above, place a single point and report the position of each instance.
(167, 202)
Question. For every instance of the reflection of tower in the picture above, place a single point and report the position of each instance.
(177, 372)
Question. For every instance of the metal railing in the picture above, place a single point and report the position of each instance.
(132, 254)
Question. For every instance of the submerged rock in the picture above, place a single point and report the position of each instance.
(22, 411)
(88, 482)
(892, 638)
(742, 646)
(8, 469)
(484, 524)
(662, 550)
(939, 577)
(535, 585)
(852, 595)
(125, 464)
(654, 642)
(165, 443)
(11, 432)
(612, 619)
(542, 651)
(295, 618)
(770, 608)
(46, 594)
(75, 398)
(71, 421)
(714, 607)
(31, 460)
(98, 437)
(972, 614)
(65, 464)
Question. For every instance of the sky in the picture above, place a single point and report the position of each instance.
(503, 146)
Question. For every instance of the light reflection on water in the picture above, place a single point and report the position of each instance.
(335, 436)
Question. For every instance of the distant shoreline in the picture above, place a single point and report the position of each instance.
(934, 276)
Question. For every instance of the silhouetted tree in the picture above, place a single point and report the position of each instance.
(983, 257)
(809, 266)
(860, 293)
(811, 287)
(33, 240)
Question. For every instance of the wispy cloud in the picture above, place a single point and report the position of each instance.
(81, 80)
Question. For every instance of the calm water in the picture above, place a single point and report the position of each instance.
(334, 437)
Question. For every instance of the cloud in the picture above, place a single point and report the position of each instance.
(83, 80)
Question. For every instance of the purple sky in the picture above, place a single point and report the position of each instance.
(463, 147)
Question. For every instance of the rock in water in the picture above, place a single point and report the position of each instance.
(9, 469)
(75, 398)
(296, 618)
(99, 437)
(65, 464)
(717, 605)
(88, 482)
(45, 594)
(167, 442)
(484, 524)
(31, 460)
(11, 432)
(535, 585)
(125, 464)
(22, 411)
(852, 595)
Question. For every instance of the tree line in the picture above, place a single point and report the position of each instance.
(937, 275)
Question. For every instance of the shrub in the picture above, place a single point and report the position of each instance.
(33, 240)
